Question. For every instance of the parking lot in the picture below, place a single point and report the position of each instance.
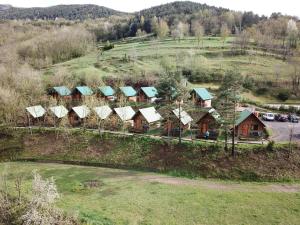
(281, 130)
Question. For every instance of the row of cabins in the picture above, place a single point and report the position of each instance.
(147, 119)
(200, 96)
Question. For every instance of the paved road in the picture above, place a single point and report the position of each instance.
(281, 130)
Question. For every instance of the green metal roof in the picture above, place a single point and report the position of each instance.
(150, 91)
(107, 90)
(62, 90)
(128, 91)
(203, 93)
(85, 90)
(244, 115)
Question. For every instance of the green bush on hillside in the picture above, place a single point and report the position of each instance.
(283, 95)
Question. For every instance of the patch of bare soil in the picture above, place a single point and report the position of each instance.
(169, 180)
(288, 188)
(214, 185)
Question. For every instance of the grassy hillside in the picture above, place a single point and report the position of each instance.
(148, 55)
(110, 196)
(211, 58)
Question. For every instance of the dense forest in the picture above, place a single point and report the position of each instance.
(69, 12)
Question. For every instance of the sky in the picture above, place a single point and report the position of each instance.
(261, 7)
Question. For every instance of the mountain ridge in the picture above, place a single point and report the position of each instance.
(87, 11)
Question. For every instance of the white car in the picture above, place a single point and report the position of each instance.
(269, 116)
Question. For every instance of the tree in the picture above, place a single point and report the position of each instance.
(176, 95)
(41, 208)
(227, 102)
(238, 16)
(292, 31)
(163, 29)
(198, 31)
(242, 40)
(179, 31)
(224, 32)
(154, 25)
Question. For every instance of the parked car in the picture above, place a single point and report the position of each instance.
(293, 118)
(282, 117)
(269, 117)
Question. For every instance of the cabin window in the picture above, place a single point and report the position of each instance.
(255, 127)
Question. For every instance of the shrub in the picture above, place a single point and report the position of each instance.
(248, 83)
(261, 91)
(283, 95)
(108, 46)
(270, 146)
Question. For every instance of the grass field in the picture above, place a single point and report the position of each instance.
(148, 55)
(130, 197)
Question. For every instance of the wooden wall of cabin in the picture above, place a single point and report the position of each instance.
(245, 128)
(207, 123)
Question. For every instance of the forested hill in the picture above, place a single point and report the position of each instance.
(176, 8)
(75, 12)
(70, 12)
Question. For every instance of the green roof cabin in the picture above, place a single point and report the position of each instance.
(209, 124)
(147, 94)
(129, 93)
(248, 125)
(106, 92)
(81, 91)
(60, 92)
(201, 97)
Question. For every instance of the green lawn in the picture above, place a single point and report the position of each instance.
(129, 197)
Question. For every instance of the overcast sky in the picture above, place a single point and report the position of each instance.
(262, 7)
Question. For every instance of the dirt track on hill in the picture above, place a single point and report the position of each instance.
(220, 185)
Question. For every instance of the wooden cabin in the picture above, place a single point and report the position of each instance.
(81, 92)
(61, 92)
(58, 113)
(147, 94)
(129, 93)
(209, 124)
(146, 119)
(78, 115)
(103, 114)
(123, 115)
(248, 125)
(179, 119)
(35, 115)
(107, 93)
(201, 97)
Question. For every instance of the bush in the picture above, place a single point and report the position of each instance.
(261, 91)
(249, 83)
(108, 46)
(270, 146)
(283, 95)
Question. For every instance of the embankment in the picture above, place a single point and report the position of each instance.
(252, 162)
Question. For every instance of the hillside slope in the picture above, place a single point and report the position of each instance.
(70, 12)
(252, 163)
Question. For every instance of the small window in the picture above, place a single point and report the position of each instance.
(255, 127)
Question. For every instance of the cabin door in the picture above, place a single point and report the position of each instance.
(245, 130)
(138, 124)
(204, 127)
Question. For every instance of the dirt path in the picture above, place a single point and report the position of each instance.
(222, 185)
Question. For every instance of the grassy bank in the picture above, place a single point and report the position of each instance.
(111, 196)
(253, 162)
